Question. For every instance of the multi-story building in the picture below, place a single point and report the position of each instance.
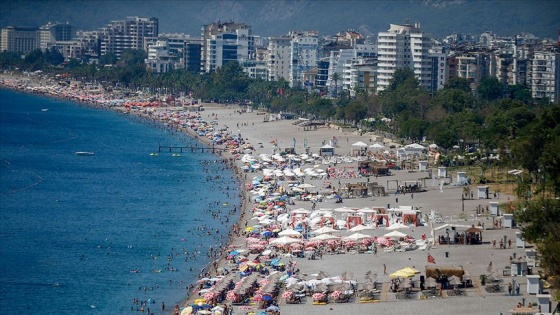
(343, 62)
(53, 32)
(472, 66)
(257, 68)
(181, 52)
(279, 58)
(322, 75)
(224, 42)
(304, 55)
(403, 46)
(19, 39)
(161, 59)
(130, 33)
(545, 74)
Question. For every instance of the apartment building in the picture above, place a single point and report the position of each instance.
(304, 54)
(130, 33)
(404, 46)
(225, 42)
(472, 66)
(279, 58)
(545, 74)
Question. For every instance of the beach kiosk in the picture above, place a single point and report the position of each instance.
(519, 241)
(442, 172)
(533, 284)
(519, 268)
(494, 209)
(326, 150)
(422, 165)
(483, 192)
(508, 220)
(462, 179)
(543, 300)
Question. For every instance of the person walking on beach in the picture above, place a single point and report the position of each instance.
(384, 269)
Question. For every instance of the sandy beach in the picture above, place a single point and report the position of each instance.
(268, 136)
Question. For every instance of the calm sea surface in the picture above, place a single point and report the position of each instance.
(72, 228)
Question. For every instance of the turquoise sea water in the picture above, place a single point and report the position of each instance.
(72, 228)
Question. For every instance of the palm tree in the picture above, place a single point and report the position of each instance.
(335, 77)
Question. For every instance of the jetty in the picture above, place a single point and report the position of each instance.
(192, 149)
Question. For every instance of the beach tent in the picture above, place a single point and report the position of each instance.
(360, 144)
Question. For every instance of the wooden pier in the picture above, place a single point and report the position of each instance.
(192, 149)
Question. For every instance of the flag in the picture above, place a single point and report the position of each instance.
(431, 259)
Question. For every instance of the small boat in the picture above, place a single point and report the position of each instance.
(83, 153)
(154, 154)
(44, 109)
(175, 154)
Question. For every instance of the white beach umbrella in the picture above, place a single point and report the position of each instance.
(306, 185)
(357, 237)
(361, 227)
(395, 234)
(325, 229)
(324, 237)
(397, 226)
(289, 232)
(284, 240)
(359, 144)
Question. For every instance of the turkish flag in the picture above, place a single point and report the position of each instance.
(431, 259)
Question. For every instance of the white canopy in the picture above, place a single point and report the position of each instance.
(395, 234)
(361, 227)
(359, 144)
(284, 240)
(325, 229)
(377, 146)
(289, 232)
(357, 237)
(324, 237)
(396, 226)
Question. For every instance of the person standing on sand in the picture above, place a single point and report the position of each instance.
(384, 269)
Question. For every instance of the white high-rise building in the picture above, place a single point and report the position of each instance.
(224, 42)
(279, 61)
(304, 55)
(131, 33)
(545, 74)
(403, 46)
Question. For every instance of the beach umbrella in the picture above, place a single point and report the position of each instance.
(395, 234)
(357, 237)
(325, 229)
(400, 274)
(324, 237)
(284, 240)
(411, 270)
(306, 185)
(397, 226)
(361, 227)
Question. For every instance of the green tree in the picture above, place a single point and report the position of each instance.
(108, 59)
(132, 57)
(458, 83)
(335, 77)
(10, 60)
(490, 89)
(540, 224)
